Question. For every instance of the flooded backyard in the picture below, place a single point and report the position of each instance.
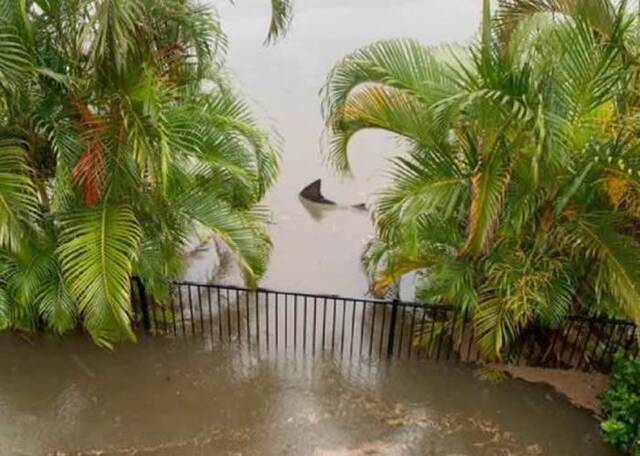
(165, 397)
(176, 396)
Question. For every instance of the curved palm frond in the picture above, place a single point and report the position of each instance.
(617, 255)
(281, 13)
(382, 86)
(241, 231)
(15, 61)
(489, 187)
(599, 15)
(18, 200)
(97, 249)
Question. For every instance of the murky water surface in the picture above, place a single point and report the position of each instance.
(166, 397)
(172, 397)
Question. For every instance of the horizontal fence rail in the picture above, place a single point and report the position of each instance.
(304, 323)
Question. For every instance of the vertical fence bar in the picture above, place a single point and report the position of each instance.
(364, 311)
(304, 328)
(173, 312)
(432, 328)
(275, 311)
(286, 320)
(266, 311)
(598, 336)
(210, 307)
(228, 300)
(472, 334)
(238, 324)
(315, 305)
(180, 303)
(441, 335)
(200, 307)
(333, 327)
(392, 328)
(324, 321)
(453, 334)
(246, 305)
(384, 321)
(295, 323)
(144, 305)
(371, 333)
(153, 311)
(353, 328)
(257, 299)
(605, 349)
(585, 346)
(402, 325)
(344, 314)
(411, 330)
(192, 320)
(575, 342)
(421, 330)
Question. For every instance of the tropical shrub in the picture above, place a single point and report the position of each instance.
(621, 404)
(517, 193)
(119, 136)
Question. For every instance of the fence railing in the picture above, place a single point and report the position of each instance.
(278, 321)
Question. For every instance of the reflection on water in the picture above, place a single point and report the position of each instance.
(168, 397)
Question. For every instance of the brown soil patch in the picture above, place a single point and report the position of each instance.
(582, 389)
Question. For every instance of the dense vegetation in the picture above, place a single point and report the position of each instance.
(119, 136)
(622, 407)
(517, 196)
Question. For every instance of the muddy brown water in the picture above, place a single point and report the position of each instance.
(176, 397)
(193, 397)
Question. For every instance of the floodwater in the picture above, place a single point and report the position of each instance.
(190, 397)
(165, 397)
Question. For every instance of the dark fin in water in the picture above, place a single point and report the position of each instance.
(313, 192)
(360, 207)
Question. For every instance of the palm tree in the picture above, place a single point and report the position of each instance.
(119, 136)
(517, 194)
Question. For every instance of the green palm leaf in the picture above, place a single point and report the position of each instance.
(281, 12)
(97, 250)
(618, 255)
(5, 311)
(18, 201)
(489, 187)
(599, 14)
(15, 62)
(240, 230)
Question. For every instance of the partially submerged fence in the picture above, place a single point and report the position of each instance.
(277, 321)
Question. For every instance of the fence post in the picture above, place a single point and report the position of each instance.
(392, 328)
(144, 305)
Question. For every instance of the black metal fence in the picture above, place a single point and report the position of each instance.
(277, 322)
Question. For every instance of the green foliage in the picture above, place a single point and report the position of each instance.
(120, 135)
(517, 192)
(622, 406)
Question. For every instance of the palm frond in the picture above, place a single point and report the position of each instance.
(617, 255)
(240, 230)
(117, 22)
(404, 65)
(5, 311)
(599, 14)
(15, 61)
(18, 201)
(489, 187)
(97, 250)
(281, 13)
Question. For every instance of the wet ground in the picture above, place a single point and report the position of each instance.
(165, 397)
(170, 397)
